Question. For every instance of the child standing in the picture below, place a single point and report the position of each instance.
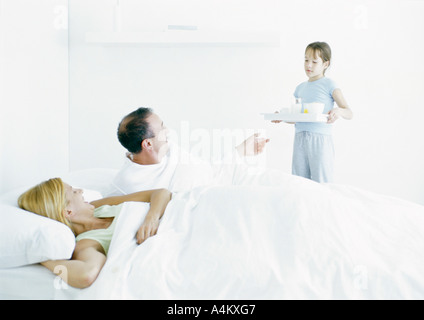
(313, 150)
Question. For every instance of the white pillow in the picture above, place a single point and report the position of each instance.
(27, 238)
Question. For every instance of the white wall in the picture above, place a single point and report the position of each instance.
(34, 91)
(202, 86)
(377, 48)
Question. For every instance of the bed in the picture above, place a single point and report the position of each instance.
(295, 239)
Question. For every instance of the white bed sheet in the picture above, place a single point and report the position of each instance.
(296, 239)
(301, 240)
(33, 282)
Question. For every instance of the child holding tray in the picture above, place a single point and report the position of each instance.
(313, 151)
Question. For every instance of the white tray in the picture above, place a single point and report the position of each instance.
(296, 117)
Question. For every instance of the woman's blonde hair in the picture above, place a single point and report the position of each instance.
(47, 199)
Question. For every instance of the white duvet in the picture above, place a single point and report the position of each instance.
(299, 240)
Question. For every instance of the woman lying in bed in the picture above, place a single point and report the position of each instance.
(92, 223)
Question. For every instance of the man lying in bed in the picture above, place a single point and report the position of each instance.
(152, 162)
(92, 223)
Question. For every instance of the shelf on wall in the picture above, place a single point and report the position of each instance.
(204, 38)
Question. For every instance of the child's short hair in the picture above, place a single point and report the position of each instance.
(320, 49)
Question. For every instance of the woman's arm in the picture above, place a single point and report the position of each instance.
(141, 196)
(158, 199)
(158, 202)
(84, 267)
(343, 109)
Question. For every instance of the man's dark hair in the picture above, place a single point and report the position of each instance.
(134, 128)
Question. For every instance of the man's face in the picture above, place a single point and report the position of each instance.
(160, 140)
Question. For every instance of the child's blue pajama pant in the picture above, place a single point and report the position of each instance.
(313, 156)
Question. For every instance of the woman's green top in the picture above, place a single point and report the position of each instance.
(103, 236)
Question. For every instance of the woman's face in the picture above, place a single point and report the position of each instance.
(76, 202)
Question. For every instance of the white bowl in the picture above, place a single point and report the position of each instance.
(313, 107)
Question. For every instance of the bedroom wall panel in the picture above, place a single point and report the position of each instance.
(34, 91)
(204, 88)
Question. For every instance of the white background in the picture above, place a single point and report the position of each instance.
(34, 108)
(61, 101)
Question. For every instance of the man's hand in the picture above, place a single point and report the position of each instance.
(252, 146)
